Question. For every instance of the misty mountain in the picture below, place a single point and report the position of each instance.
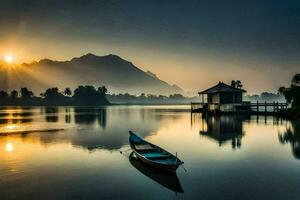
(117, 74)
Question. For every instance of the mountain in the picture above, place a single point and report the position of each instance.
(117, 74)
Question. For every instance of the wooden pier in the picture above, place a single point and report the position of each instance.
(258, 108)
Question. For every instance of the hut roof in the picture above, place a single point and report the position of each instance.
(222, 88)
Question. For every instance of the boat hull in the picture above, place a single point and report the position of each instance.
(166, 168)
(153, 155)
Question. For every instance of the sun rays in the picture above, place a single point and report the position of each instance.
(9, 58)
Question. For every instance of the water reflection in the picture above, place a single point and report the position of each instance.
(224, 128)
(90, 116)
(292, 135)
(82, 161)
(90, 128)
(16, 115)
(9, 147)
(51, 114)
(168, 180)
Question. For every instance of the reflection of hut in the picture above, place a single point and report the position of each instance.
(224, 128)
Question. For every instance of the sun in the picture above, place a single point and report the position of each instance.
(9, 58)
(9, 147)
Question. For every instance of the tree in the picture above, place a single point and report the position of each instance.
(14, 94)
(3, 97)
(103, 90)
(292, 94)
(26, 94)
(281, 90)
(3, 94)
(52, 93)
(296, 80)
(238, 84)
(233, 84)
(67, 92)
(88, 95)
(176, 96)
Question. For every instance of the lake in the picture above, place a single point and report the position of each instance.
(74, 153)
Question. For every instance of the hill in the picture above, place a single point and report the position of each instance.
(117, 74)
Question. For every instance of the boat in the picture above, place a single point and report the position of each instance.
(153, 155)
(168, 180)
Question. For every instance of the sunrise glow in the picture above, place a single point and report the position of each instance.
(9, 147)
(9, 58)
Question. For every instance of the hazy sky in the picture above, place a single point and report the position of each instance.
(190, 43)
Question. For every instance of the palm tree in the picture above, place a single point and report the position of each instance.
(281, 90)
(292, 94)
(238, 84)
(296, 80)
(233, 84)
(102, 90)
(68, 92)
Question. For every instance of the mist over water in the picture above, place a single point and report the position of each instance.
(73, 153)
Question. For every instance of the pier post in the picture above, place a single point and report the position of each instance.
(265, 107)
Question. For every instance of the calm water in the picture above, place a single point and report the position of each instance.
(73, 153)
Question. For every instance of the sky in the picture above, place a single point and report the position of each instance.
(193, 44)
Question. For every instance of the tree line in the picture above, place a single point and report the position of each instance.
(150, 99)
(82, 95)
(265, 97)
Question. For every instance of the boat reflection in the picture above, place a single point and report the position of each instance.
(224, 128)
(168, 180)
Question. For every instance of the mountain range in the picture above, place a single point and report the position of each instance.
(117, 74)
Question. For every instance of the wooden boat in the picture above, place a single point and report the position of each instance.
(153, 155)
(168, 180)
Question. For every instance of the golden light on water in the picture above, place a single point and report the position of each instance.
(11, 127)
(9, 147)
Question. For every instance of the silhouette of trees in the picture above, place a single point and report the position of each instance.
(14, 94)
(292, 94)
(52, 96)
(67, 92)
(26, 94)
(102, 90)
(296, 80)
(3, 94)
(83, 95)
(3, 97)
(150, 99)
(233, 83)
(176, 96)
(51, 93)
(236, 84)
(89, 95)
